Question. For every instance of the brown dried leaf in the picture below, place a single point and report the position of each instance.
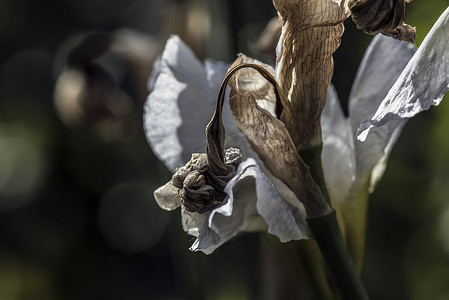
(250, 80)
(271, 141)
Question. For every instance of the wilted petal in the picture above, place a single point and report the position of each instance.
(263, 91)
(192, 222)
(338, 147)
(381, 65)
(215, 72)
(286, 221)
(181, 103)
(270, 140)
(237, 213)
(423, 82)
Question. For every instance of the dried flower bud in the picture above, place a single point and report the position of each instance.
(200, 189)
(194, 180)
(382, 16)
(196, 195)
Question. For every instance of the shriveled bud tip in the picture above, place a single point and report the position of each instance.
(382, 16)
(403, 32)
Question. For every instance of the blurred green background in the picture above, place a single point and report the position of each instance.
(77, 215)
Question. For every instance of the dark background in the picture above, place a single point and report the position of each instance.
(77, 215)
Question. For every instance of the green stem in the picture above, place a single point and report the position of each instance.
(327, 234)
(339, 263)
(312, 157)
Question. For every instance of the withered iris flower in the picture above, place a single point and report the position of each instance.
(245, 191)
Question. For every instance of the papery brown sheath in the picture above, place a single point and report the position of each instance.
(310, 35)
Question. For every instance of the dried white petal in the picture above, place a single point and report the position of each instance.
(192, 222)
(284, 220)
(423, 82)
(352, 168)
(167, 196)
(160, 107)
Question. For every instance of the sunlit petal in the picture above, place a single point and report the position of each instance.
(423, 82)
(181, 104)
